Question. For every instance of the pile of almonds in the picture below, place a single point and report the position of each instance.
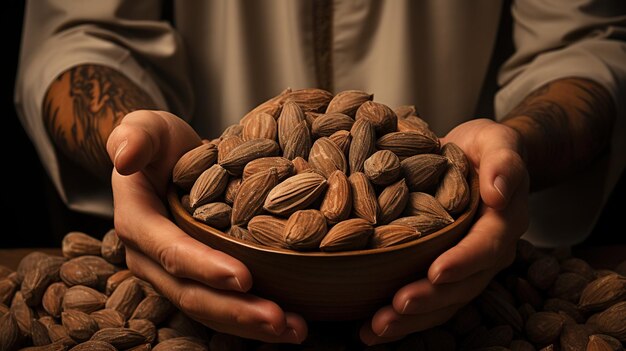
(308, 170)
(87, 300)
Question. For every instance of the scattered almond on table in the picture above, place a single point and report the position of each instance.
(89, 300)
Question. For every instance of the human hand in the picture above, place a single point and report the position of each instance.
(462, 272)
(207, 284)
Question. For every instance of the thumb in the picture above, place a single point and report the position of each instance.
(143, 137)
(501, 172)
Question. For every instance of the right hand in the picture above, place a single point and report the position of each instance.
(206, 284)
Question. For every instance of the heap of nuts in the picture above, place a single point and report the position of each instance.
(308, 170)
(88, 300)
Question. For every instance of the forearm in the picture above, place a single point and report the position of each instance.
(81, 108)
(564, 126)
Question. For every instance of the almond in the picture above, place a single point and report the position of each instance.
(145, 328)
(348, 101)
(116, 279)
(362, 145)
(351, 234)
(544, 327)
(379, 115)
(259, 125)
(83, 299)
(79, 325)
(9, 332)
(423, 203)
(298, 142)
(305, 230)
(154, 308)
(112, 248)
(422, 172)
(283, 166)
(209, 185)
(453, 192)
(37, 280)
(290, 116)
(215, 214)
(232, 188)
(326, 157)
(235, 161)
(456, 156)
(53, 298)
(295, 193)
(76, 244)
(342, 138)
(329, 123)
(301, 165)
(108, 318)
(268, 230)
(251, 195)
(120, 338)
(126, 297)
(75, 272)
(392, 201)
(603, 292)
(192, 163)
(311, 99)
(407, 144)
(240, 233)
(364, 202)
(227, 145)
(382, 168)
(392, 234)
(337, 202)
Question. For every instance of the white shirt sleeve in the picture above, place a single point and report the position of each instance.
(125, 35)
(554, 40)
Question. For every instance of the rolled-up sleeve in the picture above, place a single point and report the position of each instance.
(559, 39)
(125, 35)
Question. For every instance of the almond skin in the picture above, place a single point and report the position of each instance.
(251, 196)
(337, 202)
(364, 204)
(295, 193)
(382, 168)
(326, 157)
(192, 163)
(351, 234)
(305, 230)
(348, 102)
(329, 123)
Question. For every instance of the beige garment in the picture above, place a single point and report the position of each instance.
(233, 54)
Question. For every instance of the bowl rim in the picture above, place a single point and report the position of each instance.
(176, 208)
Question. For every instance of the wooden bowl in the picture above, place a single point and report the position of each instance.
(331, 286)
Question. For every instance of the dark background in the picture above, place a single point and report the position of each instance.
(30, 201)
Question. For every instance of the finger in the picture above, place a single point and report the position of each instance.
(387, 324)
(422, 296)
(234, 313)
(141, 221)
(144, 136)
(489, 244)
(501, 173)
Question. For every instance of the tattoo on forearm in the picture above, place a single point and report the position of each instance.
(82, 107)
(565, 125)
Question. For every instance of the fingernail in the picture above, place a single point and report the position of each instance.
(385, 330)
(407, 305)
(500, 186)
(438, 279)
(119, 150)
(234, 284)
(292, 336)
(270, 328)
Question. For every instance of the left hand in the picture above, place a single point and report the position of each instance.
(462, 272)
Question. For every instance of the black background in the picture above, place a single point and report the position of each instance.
(31, 205)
